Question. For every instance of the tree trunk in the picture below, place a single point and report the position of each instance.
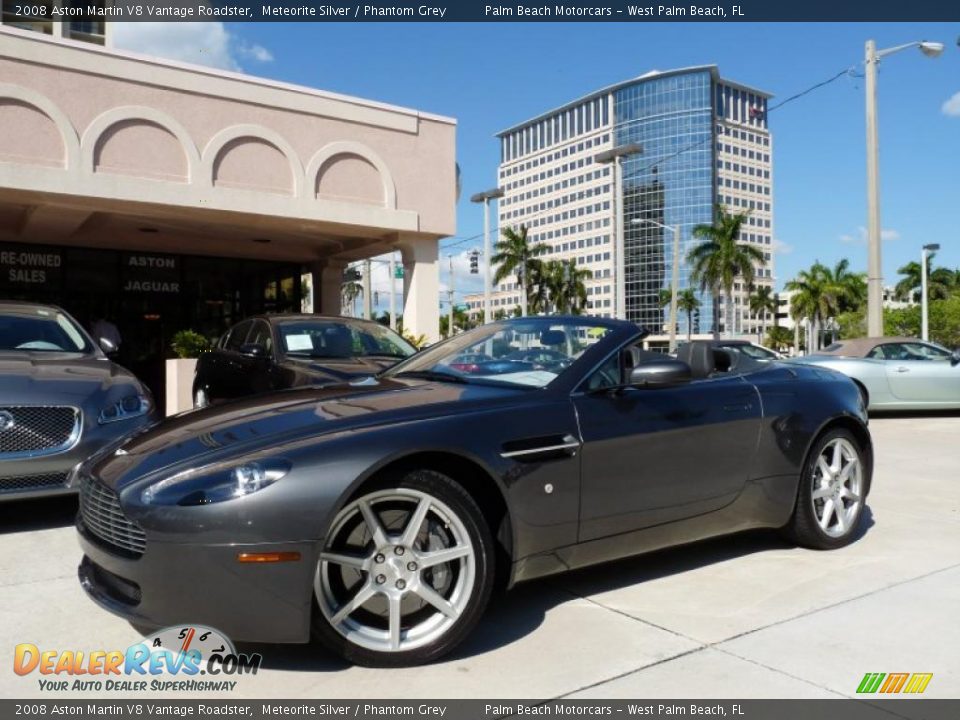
(522, 282)
(730, 316)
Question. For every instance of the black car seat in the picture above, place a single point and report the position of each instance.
(338, 342)
(700, 357)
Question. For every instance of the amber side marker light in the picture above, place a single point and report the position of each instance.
(268, 557)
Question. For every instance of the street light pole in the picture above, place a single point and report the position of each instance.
(485, 198)
(614, 157)
(393, 296)
(924, 301)
(874, 265)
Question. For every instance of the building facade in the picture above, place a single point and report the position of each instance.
(704, 140)
(166, 196)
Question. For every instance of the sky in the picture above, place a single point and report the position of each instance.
(490, 76)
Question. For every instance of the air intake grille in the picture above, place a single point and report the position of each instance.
(101, 514)
(32, 430)
(26, 483)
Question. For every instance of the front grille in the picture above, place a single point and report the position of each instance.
(32, 482)
(102, 516)
(34, 430)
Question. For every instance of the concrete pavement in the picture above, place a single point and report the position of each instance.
(742, 617)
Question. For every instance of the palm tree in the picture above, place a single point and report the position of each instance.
(815, 297)
(849, 288)
(719, 260)
(688, 302)
(940, 281)
(568, 293)
(350, 289)
(763, 301)
(539, 288)
(516, 256)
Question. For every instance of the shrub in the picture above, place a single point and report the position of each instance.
(189, 344)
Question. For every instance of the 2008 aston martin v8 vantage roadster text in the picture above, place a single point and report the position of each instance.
(378, 515)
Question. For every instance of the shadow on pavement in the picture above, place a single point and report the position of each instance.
(44, 513)
(521, 611)
(913, 414)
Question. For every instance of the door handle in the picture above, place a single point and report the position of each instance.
(902, 369)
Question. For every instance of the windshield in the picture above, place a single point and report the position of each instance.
(32, 329)
(530, 352)
(754, 351)
(341, 339)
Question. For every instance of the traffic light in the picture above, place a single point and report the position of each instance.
(474, 262)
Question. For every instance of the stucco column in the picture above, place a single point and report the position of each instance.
(421, 287)
(326, 279)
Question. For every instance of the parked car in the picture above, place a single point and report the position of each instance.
(61, 400)
(896, 373)
(378, 515)
(745, 347)
(274, 352)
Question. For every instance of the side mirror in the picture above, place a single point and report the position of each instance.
(955, 357)
(107, 346)
(253, 350)
(660, 373)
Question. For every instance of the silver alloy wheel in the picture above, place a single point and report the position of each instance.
(837, 487)
(397, 571)
(200, 398)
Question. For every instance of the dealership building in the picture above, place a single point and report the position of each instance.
(163, 196)
(698, 140)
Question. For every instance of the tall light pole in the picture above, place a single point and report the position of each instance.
(675, 277)
(614, 156)
(392, 269)
(925, 322)
(485, 197)
(874, 268)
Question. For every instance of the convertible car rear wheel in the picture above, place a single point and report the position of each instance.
(833, 490)
(405, 573)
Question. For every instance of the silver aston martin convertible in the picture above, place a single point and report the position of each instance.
(896, 373)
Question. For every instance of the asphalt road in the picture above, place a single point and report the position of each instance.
(741, 617)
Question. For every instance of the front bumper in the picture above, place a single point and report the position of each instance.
(178, 583)
(48, 475)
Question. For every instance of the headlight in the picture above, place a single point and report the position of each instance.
(129, 407)
(215, 483)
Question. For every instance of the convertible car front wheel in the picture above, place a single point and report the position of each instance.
(405, 573)
(833, 490)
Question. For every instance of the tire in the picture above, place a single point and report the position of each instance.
(829, 478)
(378, 602)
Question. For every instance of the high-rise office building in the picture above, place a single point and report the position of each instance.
(704, 141)
(42, 19)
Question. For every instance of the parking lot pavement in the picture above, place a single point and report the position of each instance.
(742, 617)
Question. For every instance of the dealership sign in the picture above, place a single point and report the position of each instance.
(145, 273)
(21, 267)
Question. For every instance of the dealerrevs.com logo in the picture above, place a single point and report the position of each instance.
(175, 659)
(910, 683)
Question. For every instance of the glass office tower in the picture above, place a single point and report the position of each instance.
(704, 143)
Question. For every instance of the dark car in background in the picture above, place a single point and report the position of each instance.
(274, 352)
(61, 400)
(379, 515)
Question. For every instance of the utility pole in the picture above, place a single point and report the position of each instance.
(367, 294)
(450, 295)
(393, 294)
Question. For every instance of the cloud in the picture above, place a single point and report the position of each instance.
(860, 237)
(200, 43)
(952, 106)
(782, 248)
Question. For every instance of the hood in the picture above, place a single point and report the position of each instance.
(239, 428)
(58, 378)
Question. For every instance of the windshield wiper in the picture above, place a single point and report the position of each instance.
(432, 375)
